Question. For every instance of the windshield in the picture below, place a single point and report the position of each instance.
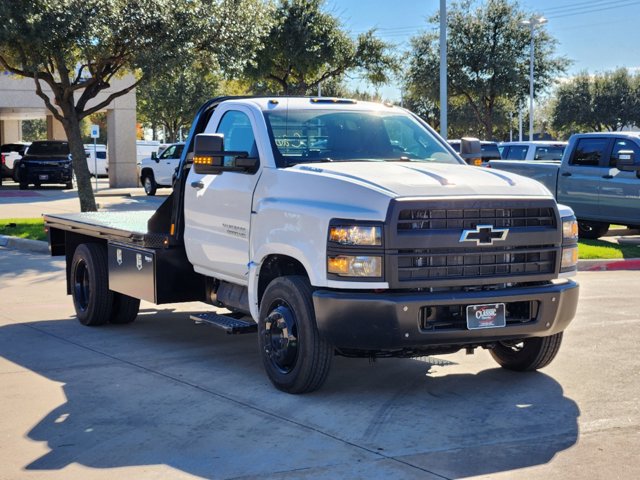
(337, 135)
(49, 148)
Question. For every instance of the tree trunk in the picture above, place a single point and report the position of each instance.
(71, 126)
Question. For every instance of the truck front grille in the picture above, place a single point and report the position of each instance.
(438, 242)
(416, 265)
(443, 219)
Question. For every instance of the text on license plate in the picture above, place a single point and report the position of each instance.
(43, 177)
(490, 315)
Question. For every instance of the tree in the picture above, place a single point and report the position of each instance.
(34, 130)
(77, 47)
(307, 46)
(607, 101)
(488, 60)
(172, 100)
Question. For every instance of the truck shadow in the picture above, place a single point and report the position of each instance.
(165, 391)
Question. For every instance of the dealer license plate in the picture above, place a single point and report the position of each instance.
(43, 177)
(486, 316)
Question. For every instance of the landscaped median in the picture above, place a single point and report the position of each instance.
(593, 254)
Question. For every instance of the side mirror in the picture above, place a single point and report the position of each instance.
(154, 156)
(626, 161)
(471, 151)
(209, 154)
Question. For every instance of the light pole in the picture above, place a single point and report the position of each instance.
(532, 22)
(443, 68)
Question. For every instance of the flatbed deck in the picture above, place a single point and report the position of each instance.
(126, 227)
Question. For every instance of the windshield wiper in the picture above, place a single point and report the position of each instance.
(399, 159)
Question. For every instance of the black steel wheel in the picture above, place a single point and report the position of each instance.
(89, 279)
(149, 183)
(125, 308)
(592, 230)
(528, 354)
(295, 356)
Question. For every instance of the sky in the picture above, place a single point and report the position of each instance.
(597, 35)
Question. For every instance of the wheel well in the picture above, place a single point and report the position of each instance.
(146, 171)
(277, 266)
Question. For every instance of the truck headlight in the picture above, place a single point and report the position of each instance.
(569, 230)
(367, 235)
(355, 265)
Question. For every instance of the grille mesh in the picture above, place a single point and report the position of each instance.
(443, 219)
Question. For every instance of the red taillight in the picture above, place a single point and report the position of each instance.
(2, 161)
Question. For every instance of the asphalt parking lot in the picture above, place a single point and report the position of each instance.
(166, 398)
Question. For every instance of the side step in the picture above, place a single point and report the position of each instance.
(229, 323)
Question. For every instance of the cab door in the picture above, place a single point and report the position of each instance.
(167, 163)
(620, 191)
(579, 181)
(218, 207)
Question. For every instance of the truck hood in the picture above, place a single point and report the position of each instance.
(413, 179)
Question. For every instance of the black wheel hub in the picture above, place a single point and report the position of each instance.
(281, 338)
(81, 285)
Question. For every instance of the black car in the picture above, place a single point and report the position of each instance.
(46, 162)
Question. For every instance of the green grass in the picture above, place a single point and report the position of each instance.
(32, 228)
(598, 249)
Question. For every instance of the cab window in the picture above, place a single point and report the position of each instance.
(623, 144)
(238, 135)
(589, 151)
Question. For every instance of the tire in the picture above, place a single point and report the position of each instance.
(92, 299)
(24, 186)
(68, 185)
(528, 354)
(149, 184)
(592, 230)
(124, 309)
(16, 171)
(301, 362)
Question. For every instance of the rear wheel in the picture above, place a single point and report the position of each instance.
(592, 230)
(149, 184)
(297, 359)
(23, 185)
(528, 354)
(124, 309)
(92, 299)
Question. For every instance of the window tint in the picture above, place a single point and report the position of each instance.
(515, 152)
(490, 151)
(238, 135)
(589, 151)
(549, 152)
(178, 151)
(623, 144)
(168, 153)
(49, 148)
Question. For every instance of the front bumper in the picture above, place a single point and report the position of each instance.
(45, 174)
(395, 321)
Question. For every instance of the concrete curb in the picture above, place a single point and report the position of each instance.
(609, 265)
(24, 244)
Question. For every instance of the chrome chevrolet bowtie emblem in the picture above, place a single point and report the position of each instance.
(484, 235)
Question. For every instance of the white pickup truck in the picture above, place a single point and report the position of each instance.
(333, 226)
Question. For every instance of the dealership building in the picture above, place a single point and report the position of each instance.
(18, 101)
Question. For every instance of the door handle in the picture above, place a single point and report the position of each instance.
(607, 176)
(197, 185)
(566, 174)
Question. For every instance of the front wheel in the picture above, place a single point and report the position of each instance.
(149, 184)
(297, 359)
(528, 354)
